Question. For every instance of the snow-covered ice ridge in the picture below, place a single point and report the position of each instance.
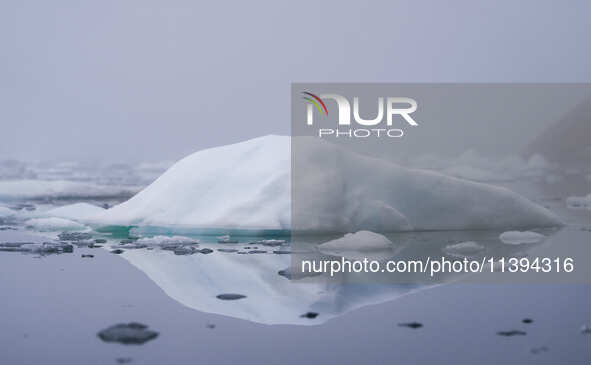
(248, 185)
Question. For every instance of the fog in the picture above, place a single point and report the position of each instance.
(128, 81)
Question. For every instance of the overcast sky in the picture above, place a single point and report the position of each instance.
(154, 80)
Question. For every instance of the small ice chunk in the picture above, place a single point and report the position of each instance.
(271, 242)
(74, 236)
(517, 237)
(180, 245)
(359, 241)
(464, 248)
(127, 333)
(166, 240)
(54, 224)
(226, 239)
(130, 246)
(184, 250)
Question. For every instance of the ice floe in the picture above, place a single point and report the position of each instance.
(517, 237)
(128, 333)
(247, 185)
(166, 240)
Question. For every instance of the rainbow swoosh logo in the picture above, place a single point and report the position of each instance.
(316, 101)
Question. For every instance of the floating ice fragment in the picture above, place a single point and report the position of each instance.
(517, 237)
(464, 248)
(226, 239)
(282, 252)
(128, 333)
(74, 236)
(271, 243)
(167, 240)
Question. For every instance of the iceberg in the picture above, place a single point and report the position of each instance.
(165, 240)
(247, 185)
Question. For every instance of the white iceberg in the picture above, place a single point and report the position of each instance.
(248, 186)
(358, 241)
(517, 237)
(54, 224)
